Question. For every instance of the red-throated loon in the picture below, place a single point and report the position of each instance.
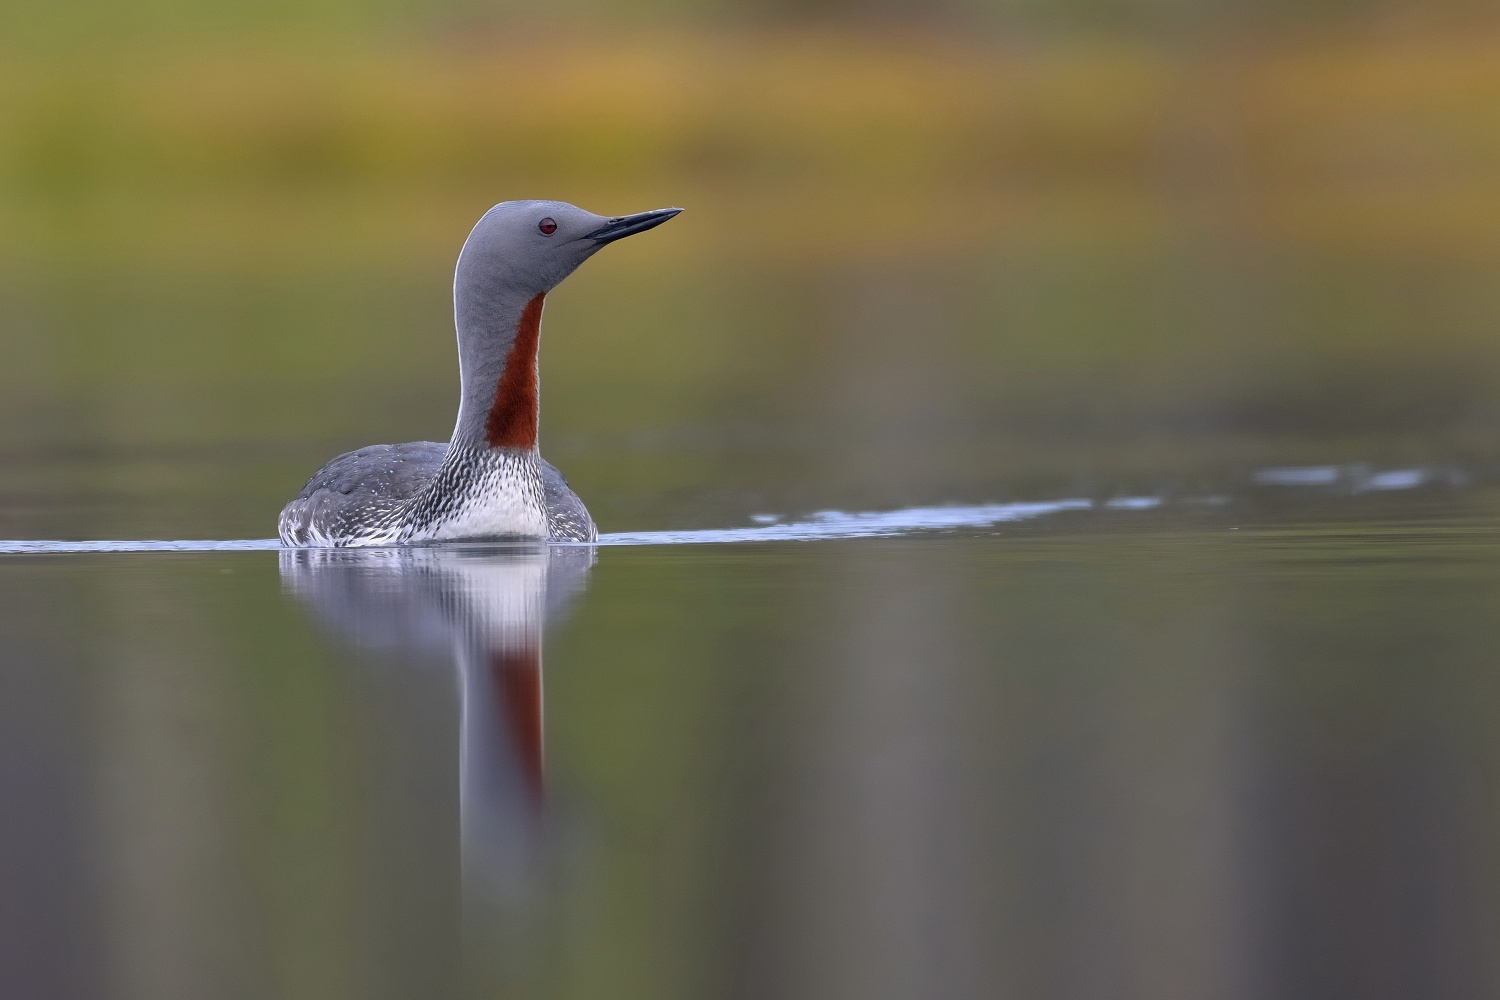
(488, 481)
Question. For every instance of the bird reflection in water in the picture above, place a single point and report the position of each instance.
(484, 609)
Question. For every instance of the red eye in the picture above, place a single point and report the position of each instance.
(547, 226)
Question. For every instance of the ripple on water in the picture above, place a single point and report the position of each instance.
(835, 524)
(826, 524)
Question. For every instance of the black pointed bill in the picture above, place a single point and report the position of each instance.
(629, 225)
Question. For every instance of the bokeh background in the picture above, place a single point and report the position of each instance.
(962, 251)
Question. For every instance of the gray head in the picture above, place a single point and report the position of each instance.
(517, 253)
(529, 247)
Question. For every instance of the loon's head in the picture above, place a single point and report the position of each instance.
(517, 253)
(531, 246)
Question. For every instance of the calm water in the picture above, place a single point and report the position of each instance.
(1219, 749)
(1072, 613)
(1051, 629)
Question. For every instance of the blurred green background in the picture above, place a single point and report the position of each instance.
(966, 251)
(935, 252)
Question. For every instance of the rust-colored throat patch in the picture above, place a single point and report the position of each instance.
(513, 417)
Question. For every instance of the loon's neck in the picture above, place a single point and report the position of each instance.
(499, 330)
(490, 482)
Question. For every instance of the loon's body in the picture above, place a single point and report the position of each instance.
(489, 480)
(389, 494)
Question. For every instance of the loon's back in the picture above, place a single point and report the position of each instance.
(369, 486)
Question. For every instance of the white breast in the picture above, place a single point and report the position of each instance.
(504, 496)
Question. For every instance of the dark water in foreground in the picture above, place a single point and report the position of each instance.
(1244, 748)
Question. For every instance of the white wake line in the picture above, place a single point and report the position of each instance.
(828, 524)
(831, 524)
(50, 546)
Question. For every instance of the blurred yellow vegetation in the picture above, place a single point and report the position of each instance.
(798, 142)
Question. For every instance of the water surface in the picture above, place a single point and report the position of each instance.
(1212, 749)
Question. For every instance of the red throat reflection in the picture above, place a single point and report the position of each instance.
(518, 688)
